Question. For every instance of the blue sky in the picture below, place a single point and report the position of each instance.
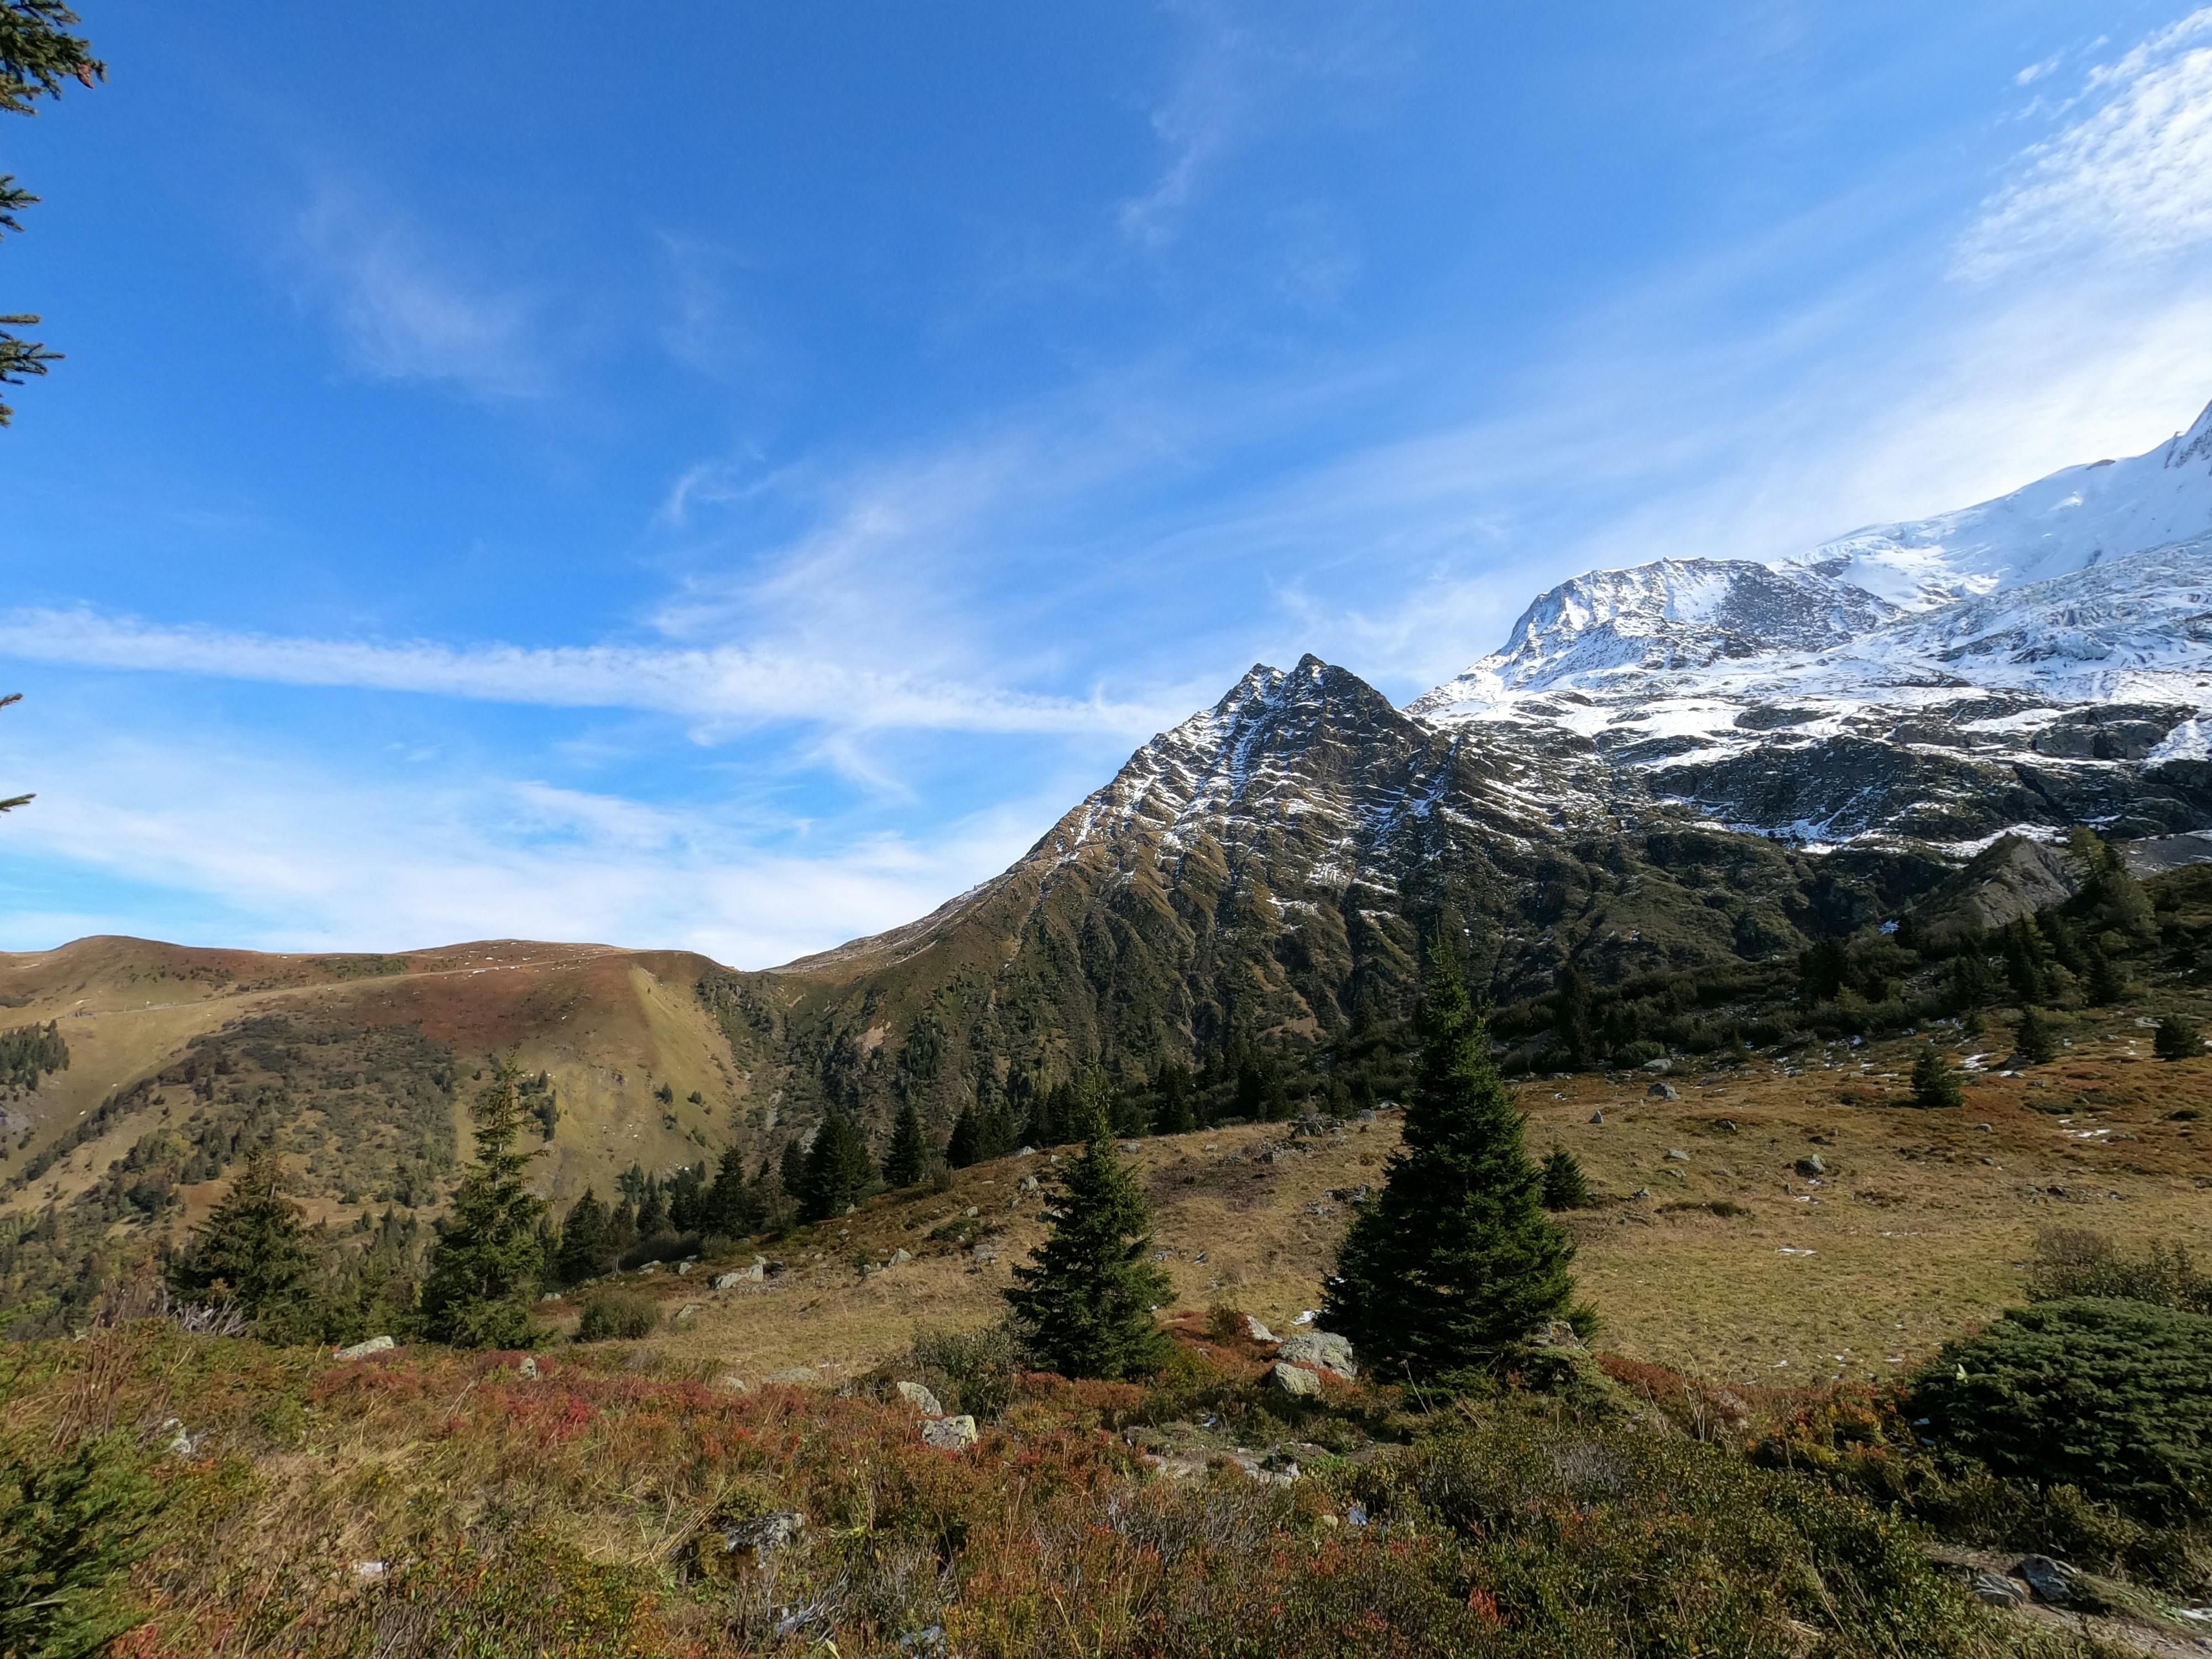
(733, 482)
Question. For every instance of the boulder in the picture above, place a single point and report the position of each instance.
(1295, 1381)
(900, 1258)
(2053, 1581)
(1656, 1066)
(1811, 1165)
(728, 1281)
(1322, 1348)
(1995, 1590)
(527, 1370)
(1555, 1334)
(765, 1535)
(1027, 1184)
(1664, 1091)
(920, 1399)
(363, 1350)
(1676, 1155)
(950, 1434)
(686, 1314)
(1598, 1116)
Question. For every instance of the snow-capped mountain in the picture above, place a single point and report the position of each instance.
(2041, 658)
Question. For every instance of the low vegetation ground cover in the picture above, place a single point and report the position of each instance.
(433, 1502)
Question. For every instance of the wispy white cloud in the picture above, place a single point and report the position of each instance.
(2129, 175)
(718, 687)
(403, 312)
(290, 855)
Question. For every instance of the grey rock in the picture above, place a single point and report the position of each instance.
(2053, 1581)
(686, 1314)
(1995, 1589)
(970, 1213)
(363, 1350)
(684, 1268)
(764, 1536)
(1555, 1334)
(1026, 1151)
(1256, 1331)
(527, 1370)
(730, 1382)
(1598, 1116)
(900, 1257)
(1295, 1381)
(728, 1281)
(1676, 1155)
(1642, 1192)
(920, 1399)
(951, 1433)
(1656, 1064)
(1664, 1091)
(1027, 1184)
(1811, 1165)
(1323, 1348)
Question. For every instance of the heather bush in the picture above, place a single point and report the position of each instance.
(618, 1316)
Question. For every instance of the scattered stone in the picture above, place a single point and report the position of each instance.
(730, 1382)
(371, 1568)
(1664, 1091)
(900, 1257)
(363, 1350)
(1132, 1146)
(185, 1444)
(1642, 1192)
(1676, 1155)
(950, 1434)
(1555, 1334)
(1295, 1381)
(920, 1399)
(1323, 1348)
(687, 1314)
(551, 1296)
(684, 1268)
(970, 1213)
(1027, 1184)
(764, 1536)
(1200, 1257)
(1725, 1125)
(2051, 1581)
(1598, 1116)
(527, 1370)
(1649, 1066)
(1256, 1331)
(1995, 1590)
(728, 1281)
(1026, 1151)
(1811, 1165)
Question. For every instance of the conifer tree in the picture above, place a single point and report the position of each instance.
(731, 1206)
(791, 1169)
(38, 53)
(907, 1161)
(1177, 1113)
(1453, 1261)
(2033, 1041)
(2177, 1039)
(485, 1267)
(254, 1250)
(839, 1170)
(1085, 1299)
(587, 1241)
(1565, 1185)
(960, 1151)
(1934, 1083)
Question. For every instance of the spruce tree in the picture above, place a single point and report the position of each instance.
(485, 1267)
(1934, 1083)
(838, 1171)
(2177, 1039)
(38, 53)
(2034, 1041)
(1085, 1299)
(587, 1241)
(731, 1206)
(254, 1250)
(960, 1152)
(907, 1161)
(791, 1169)
(1454, 1262)
(1177, 1113)
(1565, 1186)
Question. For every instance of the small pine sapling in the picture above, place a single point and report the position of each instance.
(2034, 1041)
(2178, 1039)
(1565, 1185)
(1935, 1081)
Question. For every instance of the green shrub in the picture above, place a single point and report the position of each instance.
(2071, 1262)
(618, 1316)
(969, 1371)
(2178, 1039)
(1934, 1082)
(2110, 1396)
(71, 1529)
